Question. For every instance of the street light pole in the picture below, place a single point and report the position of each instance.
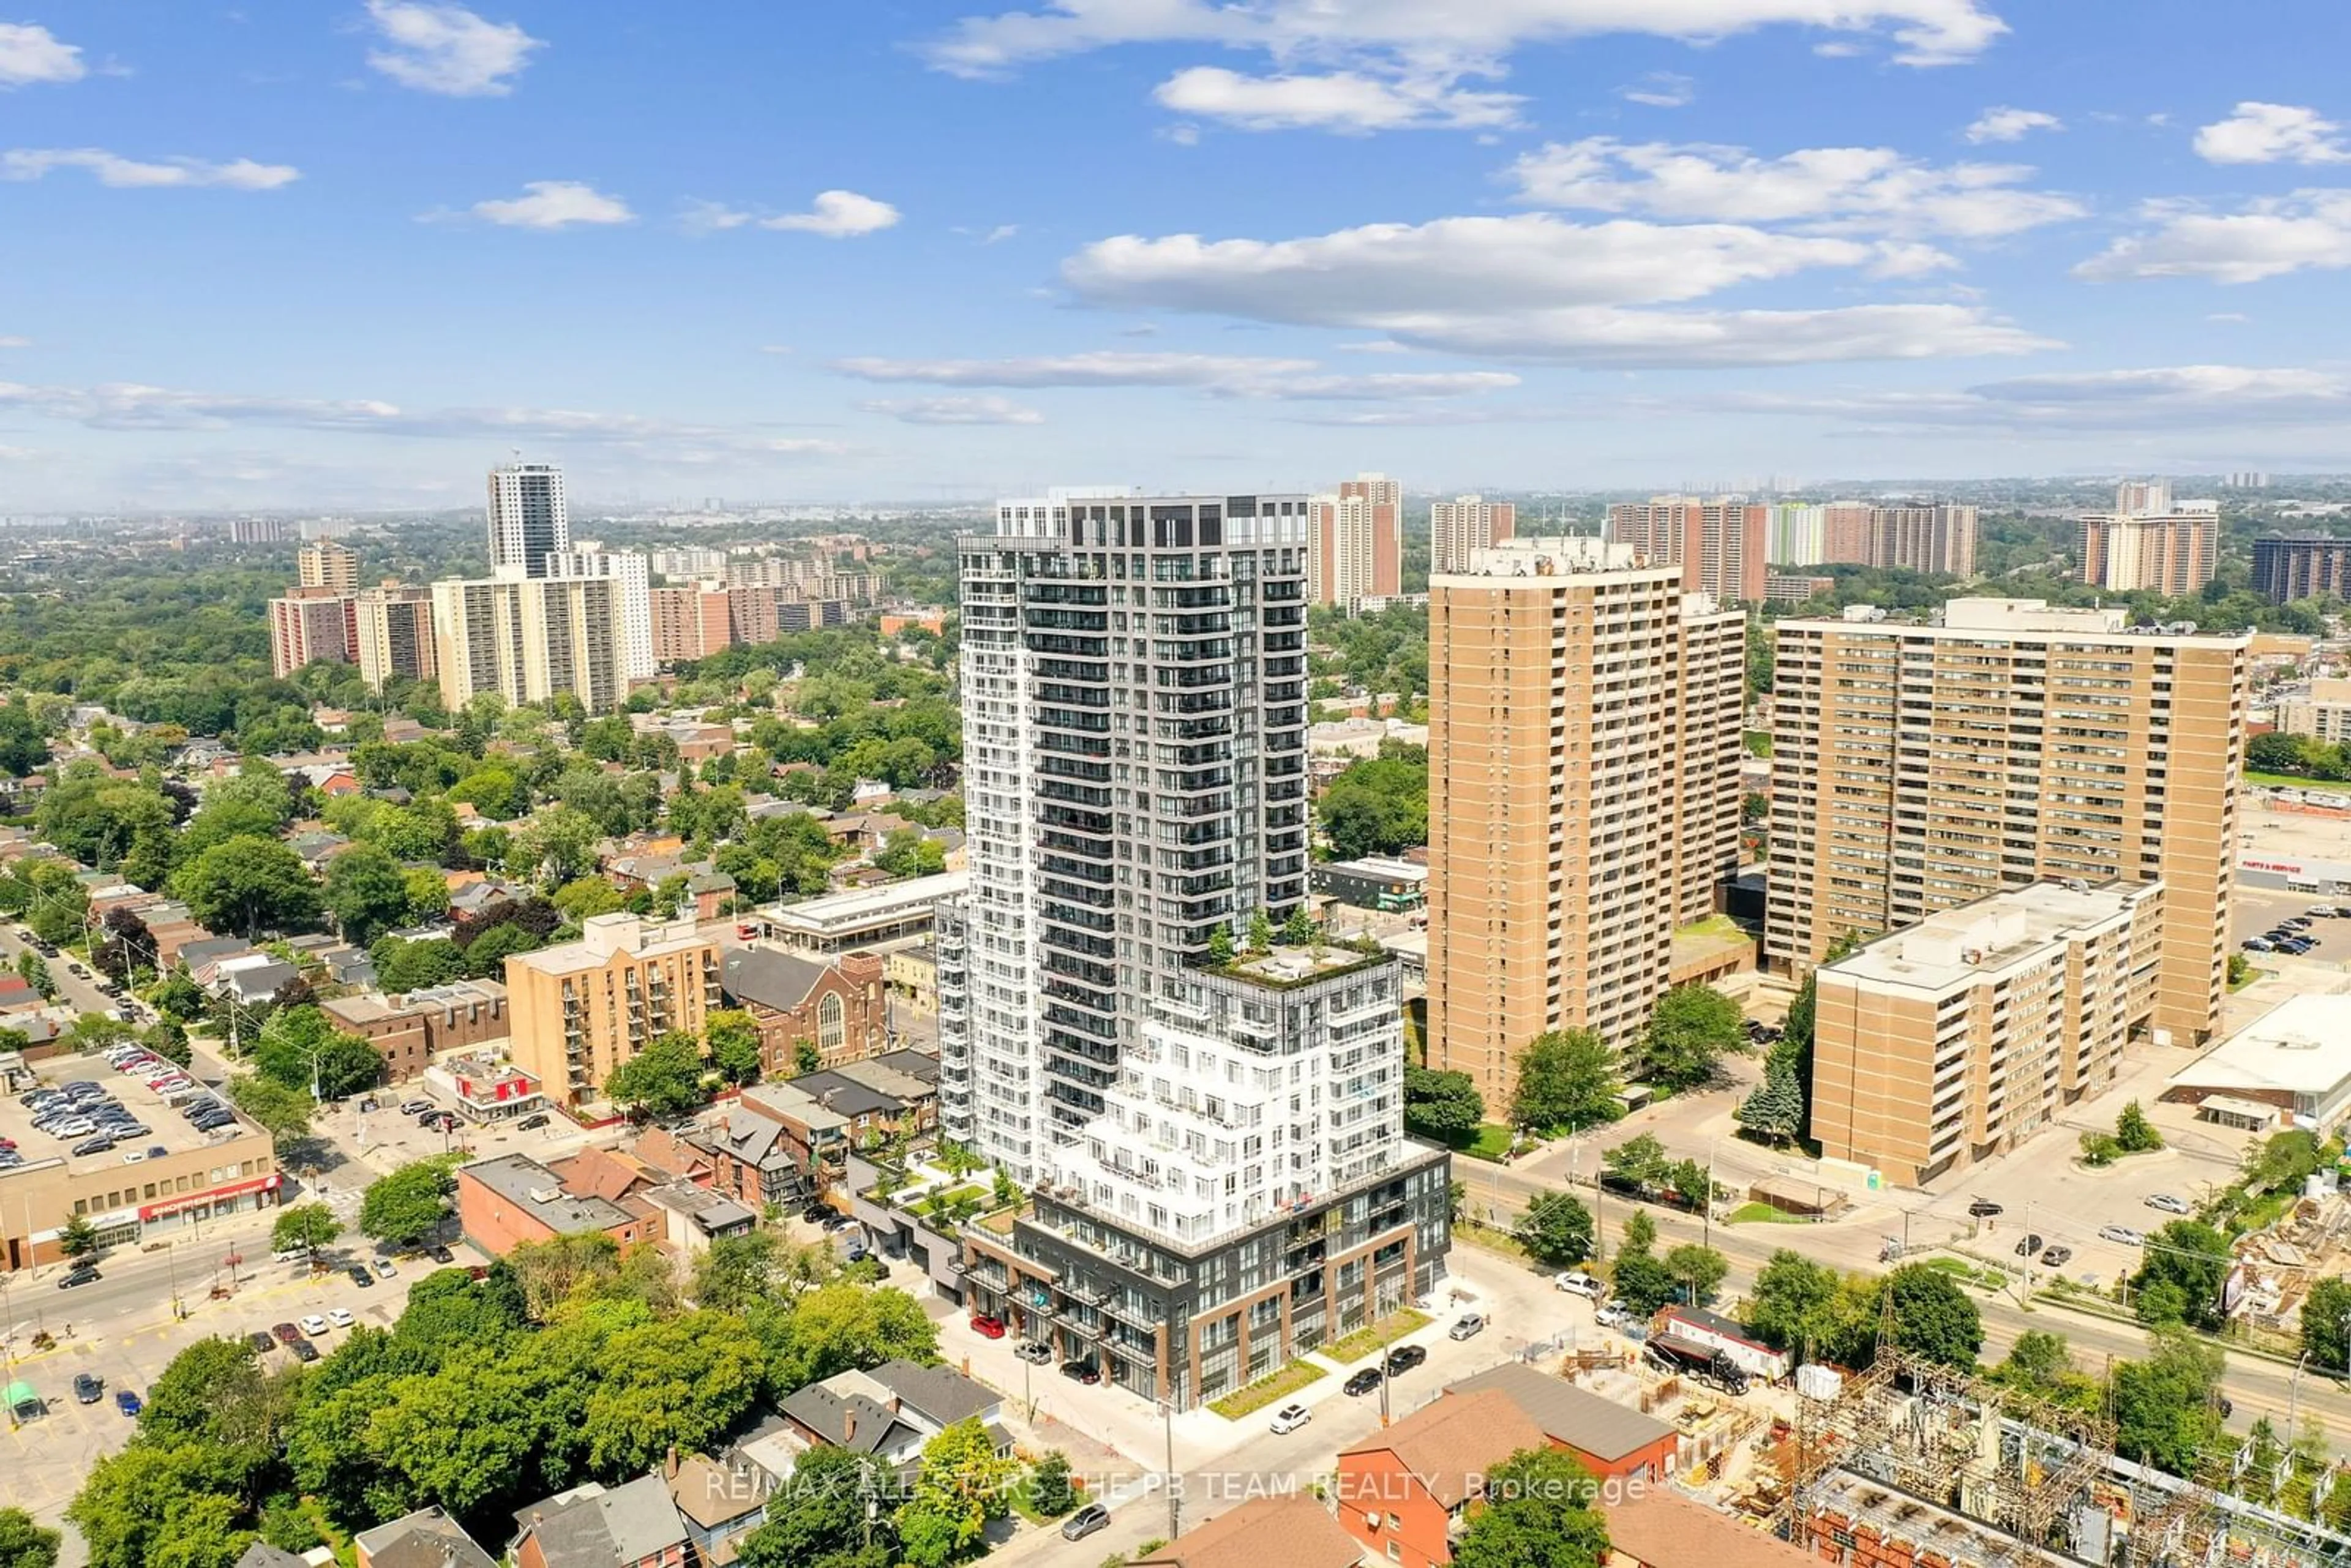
(1175, 1507)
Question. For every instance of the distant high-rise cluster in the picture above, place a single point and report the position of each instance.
(1460, 529)
(2285, 570)
(1584, 741)
(2151, 542)
(1718, 544)
(1354, 548)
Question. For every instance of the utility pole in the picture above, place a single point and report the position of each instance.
(1175, 1507)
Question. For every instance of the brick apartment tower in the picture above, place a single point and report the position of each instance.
(1584, 738)
(1355, 545)
(1720, 545)
(1918, 767)
(1460, 529)
(2175, 555)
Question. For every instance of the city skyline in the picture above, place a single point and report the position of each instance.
(1543, 251)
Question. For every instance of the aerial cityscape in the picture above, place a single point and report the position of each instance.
(1385, 815)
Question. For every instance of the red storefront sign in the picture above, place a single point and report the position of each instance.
(216, 1195)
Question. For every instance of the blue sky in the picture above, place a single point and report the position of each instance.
(320, 253)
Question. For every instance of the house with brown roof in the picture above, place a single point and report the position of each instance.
(1290, 1531)
(1656, 1527)
(841, 1007)
(1614, 1441)
(1405, 1493)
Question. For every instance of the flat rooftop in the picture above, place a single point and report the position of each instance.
(2302, 1046)
(841, 912)
(524, 1182)
(166, 1128)
(1957, 945)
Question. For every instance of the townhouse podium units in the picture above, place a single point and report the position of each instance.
(1135, 767)
(1246, 1193)
(1918, 766)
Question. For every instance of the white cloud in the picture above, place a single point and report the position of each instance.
(1347, 102)
(1372, 346)
(1660, 89)
(555, 204)
(1224, 375)
(2005, 124)
(956, 411)
(15, 343)
(448, 50)
(2165, 398)
(837, 215)
(1824, 187)
(112, 169)
(2272, 133)
(1536, 288)
(2229, 316)
(700, 217)
(30, 54)
(2272, 237)
(133, 406)
(999, 234)
(1924, 32)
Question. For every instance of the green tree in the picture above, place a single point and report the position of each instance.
(1050, 1493)
(2135, 1133)
(1638, 1163)
(157, 1506)
(407, 1205)
(179, 997)
(35, 972)
(1567, 1078)
(1260, 931)
(1641, 1283)
(1444, 1106)
(2327, 1324)
(2275, 752)
(78, 1237)
(1775, 1109)
(559, 845)
(806, 1057)
(309, 1226)
(586, 896)
(1699, 1271)
(403, 966)
(664, 1079)
(821, 1519)
(301, 1048)
(907, 853)
(1538, 1513)
(1690, 1029)
(1220, 947)
(1298, 930)
(840, 1326)
(1792, 1305)
(1556, 1230)
(2191, 1257)
(733, 1036)
(677, 1383)
(736, 1273)
(367, 893)
(964, 1483)
(2163, 1407)
(284, 1114)
(1933, 1317)
(1377, 805)
(247, 884)
(23, 1544)
(1639, 1232)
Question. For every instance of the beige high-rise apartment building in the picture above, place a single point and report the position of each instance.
(1583, 755)
(1965, 1034)
(527, 638)
(2175, 553)
(1354, 545)
(1918, 766)
(395, 634)
(323, 563)
(1721, 545)
(1460, 529)
(2323, 711)
(576, 1012)
(310, 625)
(1930, 536)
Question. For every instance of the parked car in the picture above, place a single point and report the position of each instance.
(988, 1328)
(2169, 1203)
(341, 1317)
(1575, 1282)
(383, 1267)
(1405, 1357)
(1984, 1209)
(1290, 1418)
(1614, 1315)
(416, 1107)
(533, 1122)
(127, 1402)
(1034, 1354)
(2029, 1246)
(285, 1333)
(89, 1389)
(314, 1325)
(2123, 1234)
(84, 1275)
(440, 1254)
(304, 1351)
(1086, 1522)
(1364, 1381)
(1468, 1325)
(2056, 1257)
(359, 1276)
(261, 1342)
(1081, 1370)
(2296, 923)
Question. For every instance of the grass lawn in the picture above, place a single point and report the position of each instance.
(1486, 1239)
(1367, 1339)
(1027, 1509)
(1762, 1214)
(1265, 1390)
(1712, 926)
(1491, 1142)
(1968, 1274)
(1758, 741)
(2291, 781)
(2253, 976)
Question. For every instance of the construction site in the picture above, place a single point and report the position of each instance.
(1914, 1464)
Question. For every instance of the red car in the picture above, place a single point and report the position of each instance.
(991, 1328)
